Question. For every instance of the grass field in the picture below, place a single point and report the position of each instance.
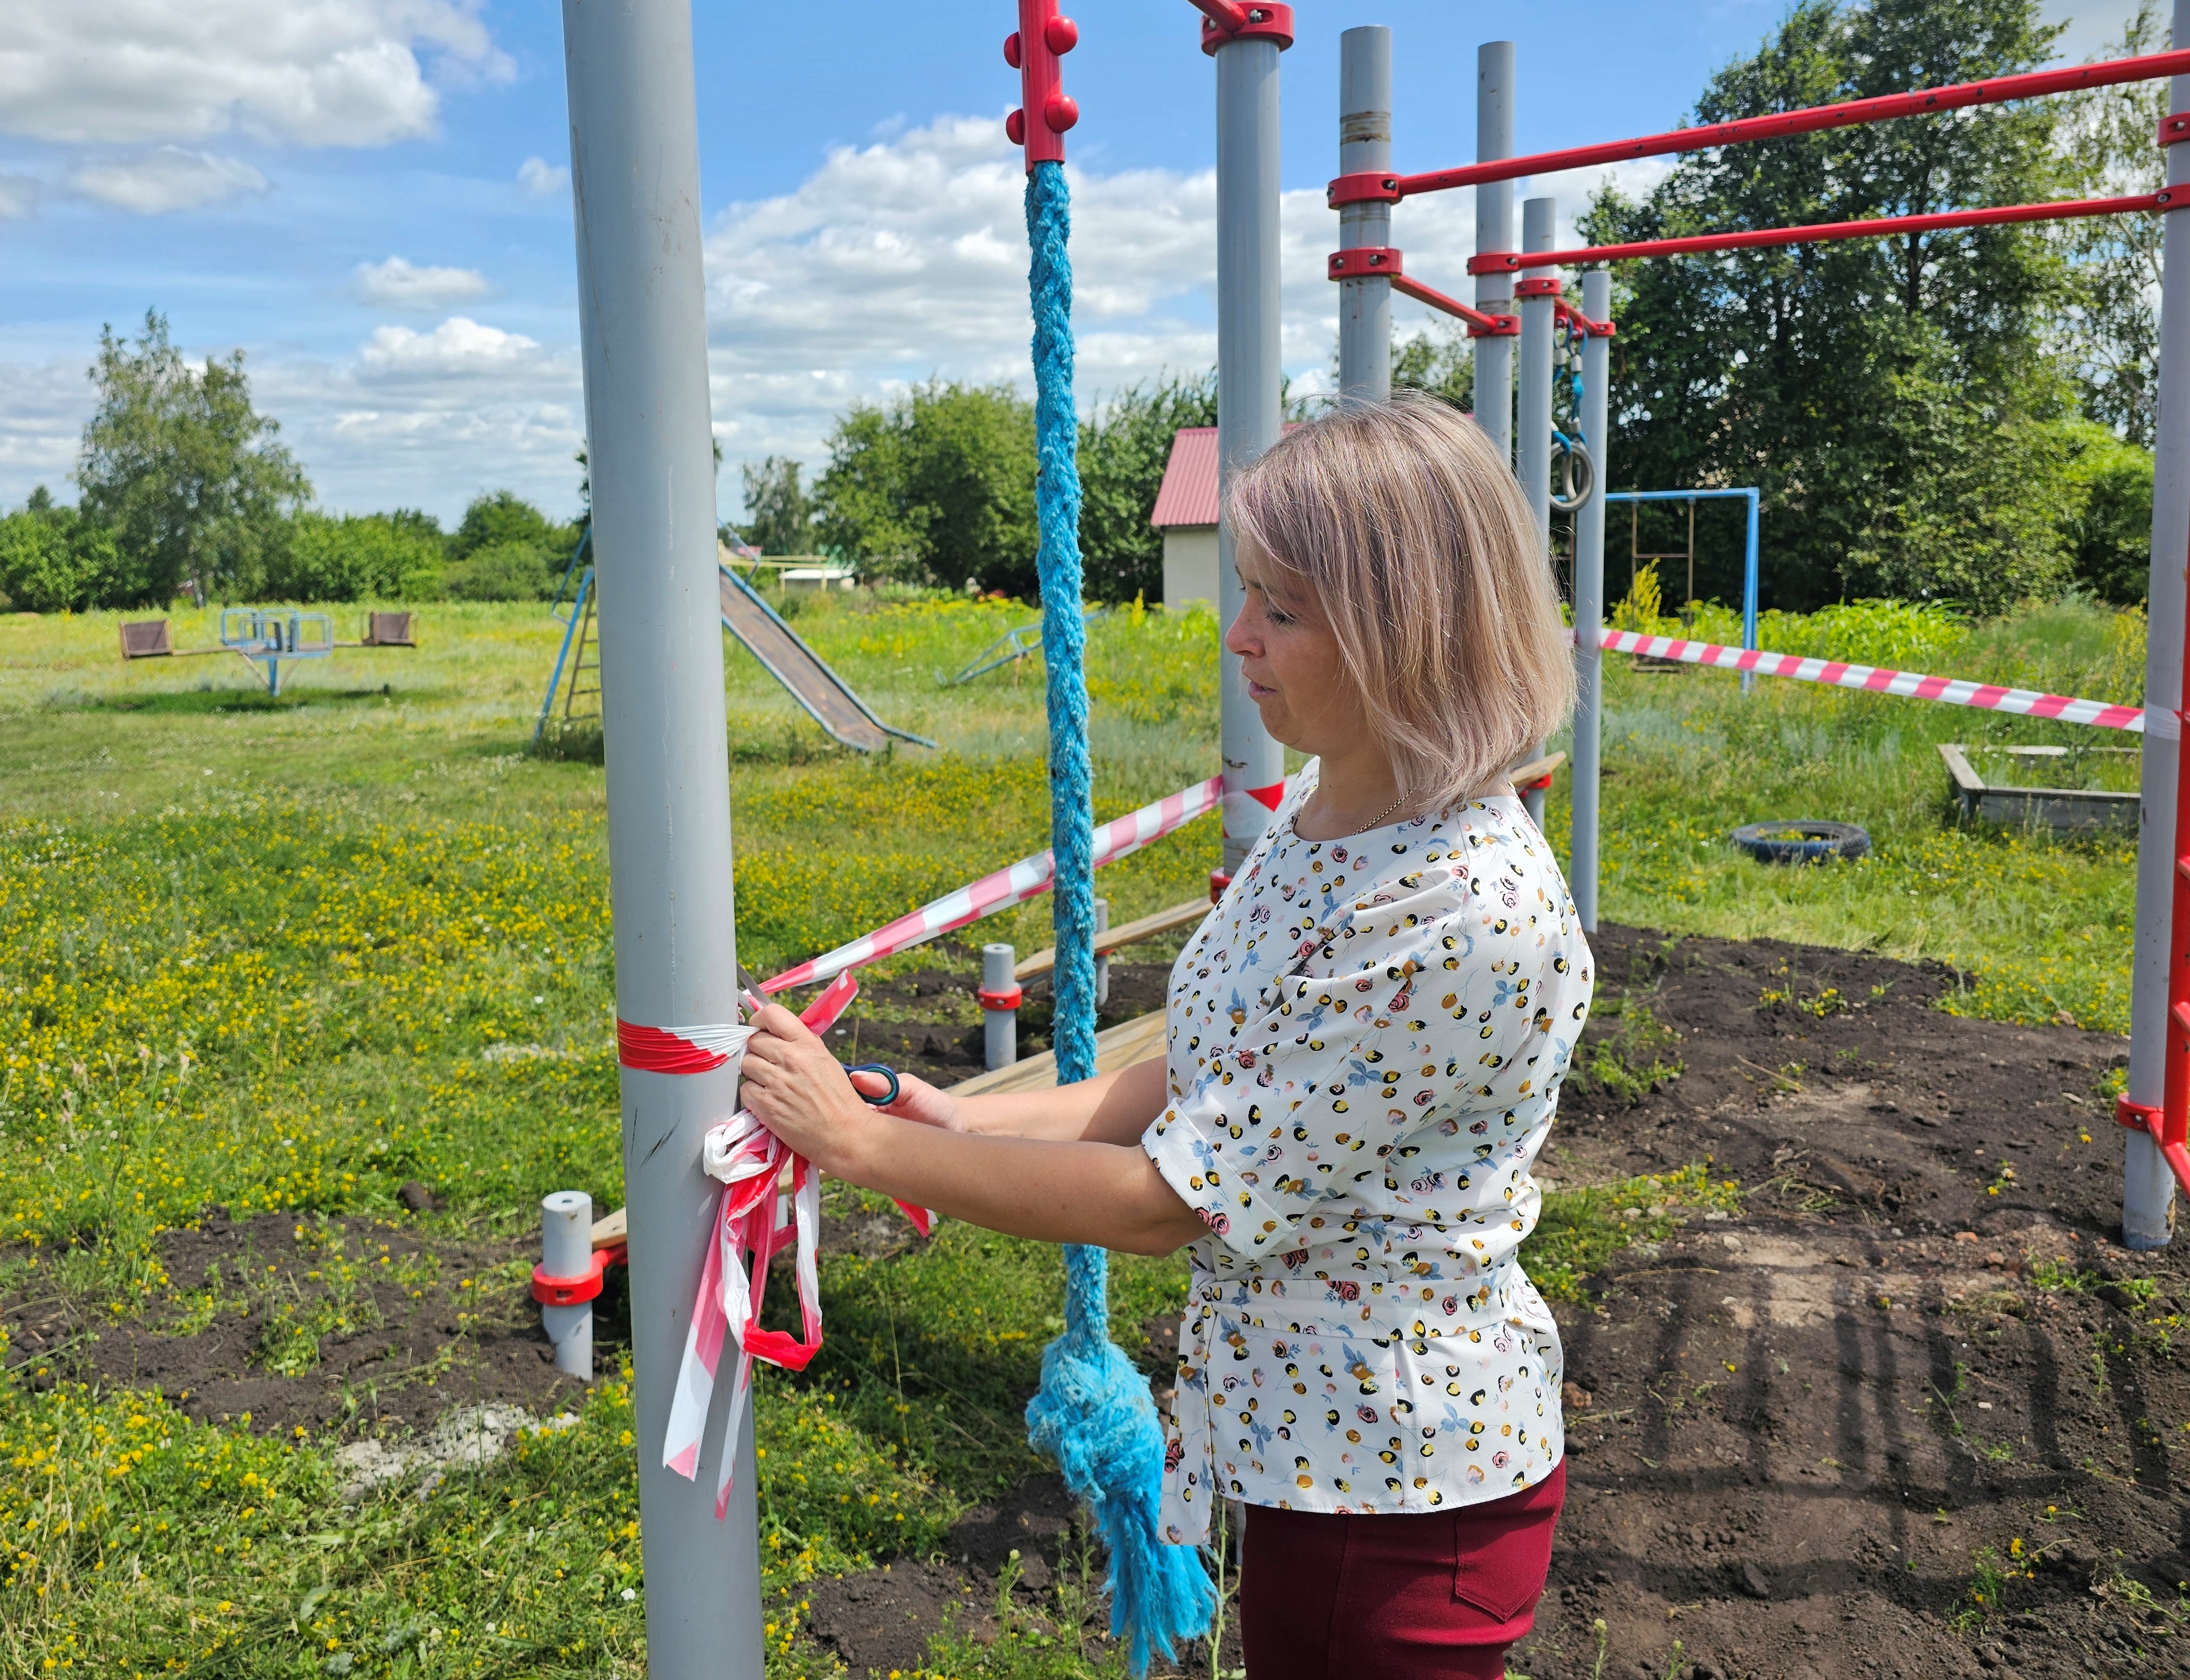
(289, 955)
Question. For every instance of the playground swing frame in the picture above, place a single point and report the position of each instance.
(2155, 1110)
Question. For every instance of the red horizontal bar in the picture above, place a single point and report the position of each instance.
(2065, 210)
(1488, 325)
(1780, 124)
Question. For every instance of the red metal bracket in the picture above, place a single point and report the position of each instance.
(1224, 22)
(1219, 879)
(1369, 188)
(2174, 127)
(1034, 48)
(1368, 261)
(1001, 1000)
(2173, 1136)
(554, 1291)
(1582, 324)
(1493, 262)
(1539, 286)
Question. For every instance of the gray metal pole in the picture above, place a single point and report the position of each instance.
(1589, 604)
(1532, 444)
(1364, 145)
(642, 319)
(2148, 1187)
(1250, 385)
(1493, 231)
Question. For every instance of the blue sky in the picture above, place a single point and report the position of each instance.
(368, 198)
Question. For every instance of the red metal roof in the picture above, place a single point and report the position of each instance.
(1188, 495)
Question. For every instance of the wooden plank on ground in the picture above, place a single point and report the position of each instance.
(1128, 933)
(611, 1229)
(1121, 1047)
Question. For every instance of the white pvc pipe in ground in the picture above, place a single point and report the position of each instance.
(643, 325)
(567, 1251)
(2148, 1187)
(1250, 383)
(999, 1028)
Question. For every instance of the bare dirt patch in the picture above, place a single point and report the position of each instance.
(339, 1323)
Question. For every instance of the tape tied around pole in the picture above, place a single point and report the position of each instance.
(754, 1223)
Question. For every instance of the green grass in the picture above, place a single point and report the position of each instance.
(289, 955)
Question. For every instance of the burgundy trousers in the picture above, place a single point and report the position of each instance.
(1435, 1596)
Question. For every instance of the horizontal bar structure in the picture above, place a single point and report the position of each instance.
(1909, 684)
(1750, 239)
(1925, 101)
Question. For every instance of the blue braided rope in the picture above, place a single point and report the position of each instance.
(1092, 1412)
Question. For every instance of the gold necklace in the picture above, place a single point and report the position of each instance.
(1382, 816)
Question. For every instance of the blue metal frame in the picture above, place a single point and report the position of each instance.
(1748, 558)
(569, 634)
(274, 634)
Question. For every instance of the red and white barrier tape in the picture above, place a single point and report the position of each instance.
(1023, 880)
(1953, 690)
(752, 1224)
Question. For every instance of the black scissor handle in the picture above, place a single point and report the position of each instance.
(886, 1072)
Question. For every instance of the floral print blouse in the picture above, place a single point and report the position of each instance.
(1366, 1040)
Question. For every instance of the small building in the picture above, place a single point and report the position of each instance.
(1186, 513)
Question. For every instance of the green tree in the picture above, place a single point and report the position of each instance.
(781, 514)
(1891, 396)
(1440, 359)
(937, 488)
(2112, 332)
(358, 557)
(188, 476)
(506, 549)
(1123, 451)
(53, 560)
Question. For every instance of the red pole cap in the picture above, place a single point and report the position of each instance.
(1044, 36)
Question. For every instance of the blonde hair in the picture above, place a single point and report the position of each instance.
(1400, 522)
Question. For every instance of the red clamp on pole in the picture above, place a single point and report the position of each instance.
(1000, 1000)
(2173, 1136)
(1367, 261)
(553, 1291)
(1368, 189)
(1224, 21)
(1539, 286)
(2174, 127)
(1034, 48)
(1218, 880)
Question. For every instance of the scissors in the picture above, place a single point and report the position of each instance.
(750, 987)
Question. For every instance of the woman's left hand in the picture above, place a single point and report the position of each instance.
(796, 1089)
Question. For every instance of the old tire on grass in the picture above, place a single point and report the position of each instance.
(1802, 842)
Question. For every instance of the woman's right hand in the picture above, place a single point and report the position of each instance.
(916, 1100)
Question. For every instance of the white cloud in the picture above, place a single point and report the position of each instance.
(321, 72)
(40, 424)
(19, 196)
(166, 177)
(400, 285)
(541, 178)
(459, 349)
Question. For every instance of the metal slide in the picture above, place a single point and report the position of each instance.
(827, 698)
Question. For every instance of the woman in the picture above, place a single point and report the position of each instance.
(1366, 1039)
